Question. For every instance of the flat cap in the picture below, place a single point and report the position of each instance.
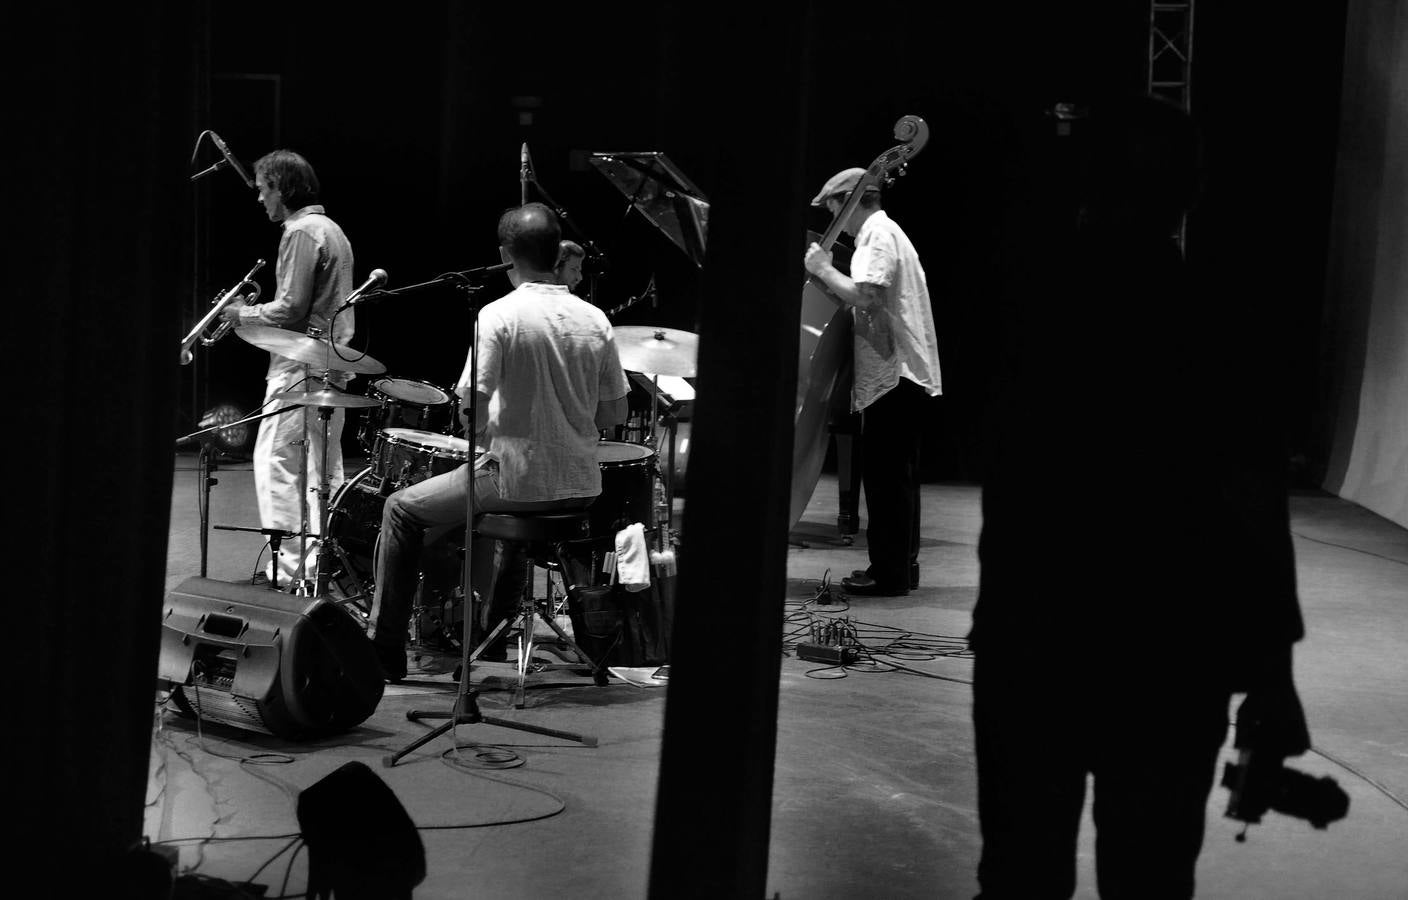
(843, 182)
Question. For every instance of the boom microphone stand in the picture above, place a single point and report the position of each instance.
(595, 259)
(208, 465)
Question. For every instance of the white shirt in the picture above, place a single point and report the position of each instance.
(546, 359)
(895, 339)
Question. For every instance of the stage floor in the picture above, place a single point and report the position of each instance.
(874, 793)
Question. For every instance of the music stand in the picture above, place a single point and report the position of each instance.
(661, 192)
(466, 709)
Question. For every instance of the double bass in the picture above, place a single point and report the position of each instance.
(825, 340)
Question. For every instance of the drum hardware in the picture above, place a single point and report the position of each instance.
(627, 489)
(314, 350)
(198, 333)
(655, 350)
(326, 401)
(404, 403)
(406, 456)
(321, 354)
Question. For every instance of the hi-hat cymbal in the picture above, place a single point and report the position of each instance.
(328, 397)
(657, 351)
(309, 350)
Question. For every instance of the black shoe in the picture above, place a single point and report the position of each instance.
(913, 575)
(494, 653)
(865, 586)
(392, 663)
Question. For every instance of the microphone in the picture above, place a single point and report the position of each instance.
(230, 158)
(525, 166)
(377, 277)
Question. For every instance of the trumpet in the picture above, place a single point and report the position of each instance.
(247, 286)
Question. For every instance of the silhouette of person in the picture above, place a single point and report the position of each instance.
(1136, 564)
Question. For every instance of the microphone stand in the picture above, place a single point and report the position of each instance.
(466, 708)
(206, 464)
(530, 177)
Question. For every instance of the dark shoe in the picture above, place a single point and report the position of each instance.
(392, 663)
(494, 653)
(913, 575)
(865, 586)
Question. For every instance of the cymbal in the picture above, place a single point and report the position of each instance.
(657, 351)
(309, 350)
(328, 397)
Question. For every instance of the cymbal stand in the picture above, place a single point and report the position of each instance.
(665, 471)
(300, 584)
(466, 708)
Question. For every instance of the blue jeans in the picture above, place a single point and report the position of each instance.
(430, 509)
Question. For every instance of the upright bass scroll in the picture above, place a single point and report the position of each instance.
(247, 288)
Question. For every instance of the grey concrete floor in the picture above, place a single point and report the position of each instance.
(875, 782)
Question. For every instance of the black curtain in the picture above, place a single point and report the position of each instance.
(103, 113)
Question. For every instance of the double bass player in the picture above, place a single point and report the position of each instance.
(896, 362)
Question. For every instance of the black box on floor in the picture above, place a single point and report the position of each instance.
(262, 660)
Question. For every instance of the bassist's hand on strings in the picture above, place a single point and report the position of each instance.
(864, 296)
(817, 260)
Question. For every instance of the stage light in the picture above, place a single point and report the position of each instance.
(227, 440)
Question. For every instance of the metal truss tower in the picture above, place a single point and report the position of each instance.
(1170, 71)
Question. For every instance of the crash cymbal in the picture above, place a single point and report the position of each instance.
(328, 397)
(657, 351)
(309, 350)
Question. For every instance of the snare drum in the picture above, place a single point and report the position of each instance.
(405, 403)
(404, 456)
(627, 483)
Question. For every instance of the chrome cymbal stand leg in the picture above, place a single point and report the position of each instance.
(300, 579)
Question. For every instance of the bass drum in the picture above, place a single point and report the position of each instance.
(354, 524)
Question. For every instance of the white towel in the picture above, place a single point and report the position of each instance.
(633, 558)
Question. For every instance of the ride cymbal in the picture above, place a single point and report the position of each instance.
(657, 351)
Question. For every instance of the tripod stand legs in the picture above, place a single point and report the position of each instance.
(466, 712)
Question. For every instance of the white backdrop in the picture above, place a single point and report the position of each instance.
(1368, 265)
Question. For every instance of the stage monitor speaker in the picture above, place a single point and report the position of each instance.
(253, 658)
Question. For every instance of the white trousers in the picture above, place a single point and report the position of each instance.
(279, 482)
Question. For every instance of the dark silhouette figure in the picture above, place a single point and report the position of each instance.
(1136, 560)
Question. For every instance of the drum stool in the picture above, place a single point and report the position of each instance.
(542, 537)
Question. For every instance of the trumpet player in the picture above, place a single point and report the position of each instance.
(312, 274)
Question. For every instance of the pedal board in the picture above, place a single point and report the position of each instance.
(828, 653)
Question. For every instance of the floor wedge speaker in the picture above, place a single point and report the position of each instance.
(261, 660)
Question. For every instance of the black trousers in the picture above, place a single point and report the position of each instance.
(891, 428)
(1150, 746)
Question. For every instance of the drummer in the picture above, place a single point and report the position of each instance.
(549, 380)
